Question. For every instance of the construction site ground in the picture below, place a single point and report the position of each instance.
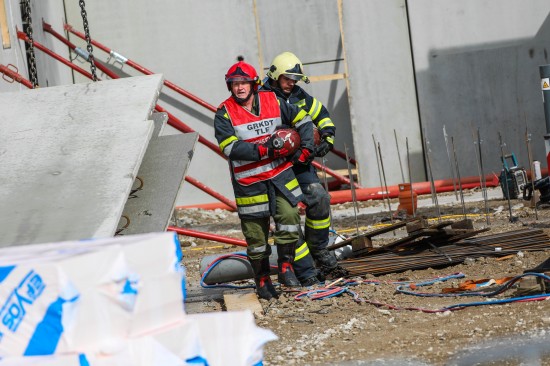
(342, 331)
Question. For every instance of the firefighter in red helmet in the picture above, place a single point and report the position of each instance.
(263, 180)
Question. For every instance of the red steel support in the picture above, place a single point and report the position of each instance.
(211, 192)
(207, 236)
(176, 88)
(6, 71)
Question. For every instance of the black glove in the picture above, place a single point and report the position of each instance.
(325, 146)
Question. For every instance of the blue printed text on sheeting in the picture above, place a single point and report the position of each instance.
(14, 309)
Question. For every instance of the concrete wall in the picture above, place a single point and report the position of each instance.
(382, 89)
(463, 64)
(476, 66)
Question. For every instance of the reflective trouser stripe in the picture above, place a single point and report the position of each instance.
(318, 224)
(289, 228)
(257, 249)
(244, 210)
(301, 252)
(254, 204)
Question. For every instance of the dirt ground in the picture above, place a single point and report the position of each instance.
(346, 331)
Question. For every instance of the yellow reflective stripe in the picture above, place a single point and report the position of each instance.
(292, 184)
(300, 116)
(318, 224)
(225, 115)
(301, 252)
(300, 103)
(330, 139)
(325, 122)
(315, 109)
(227, 141)
(262, 198)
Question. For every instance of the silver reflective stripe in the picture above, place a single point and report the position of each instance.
(261, 169)
(228, 149)
(255, 250)
(297, 192)
(288, 228)
(305, 120)
(256, 129)
(253, 209)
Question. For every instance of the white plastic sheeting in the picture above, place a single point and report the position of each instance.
(116, 301)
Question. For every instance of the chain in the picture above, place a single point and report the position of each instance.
(89, 47)
(31, 59)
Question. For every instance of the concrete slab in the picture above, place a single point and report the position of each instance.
(162, 171)
(69, 157)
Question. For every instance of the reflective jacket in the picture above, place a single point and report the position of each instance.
(256, 129)
(235, 128)
(318, 112)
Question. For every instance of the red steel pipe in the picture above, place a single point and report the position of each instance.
(376, 193)
(14, 76)
(170, 84)
(211, 192)
(207, 236)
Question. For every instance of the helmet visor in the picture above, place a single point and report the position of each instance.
(232, 78)
(295, 77)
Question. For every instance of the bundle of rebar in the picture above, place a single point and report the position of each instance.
(494, 245)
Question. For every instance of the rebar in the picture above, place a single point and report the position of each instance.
(378, 165)
(483, 246)
(450, 164)
(385, 182)
(399, 156)
(483, 179)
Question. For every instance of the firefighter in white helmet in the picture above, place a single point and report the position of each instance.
(285, 72)
(263, 180)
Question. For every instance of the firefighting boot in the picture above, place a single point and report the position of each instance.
(304, 266)
(286, 274)
(328, 264)
(264, 287)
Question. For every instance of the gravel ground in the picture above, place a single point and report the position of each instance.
(346, 331)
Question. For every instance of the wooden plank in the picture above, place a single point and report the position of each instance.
(4, 30)
(327, 77)
(243, 301)
(69, 157)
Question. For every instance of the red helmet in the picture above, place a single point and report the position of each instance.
(241, 71)
(287, 138)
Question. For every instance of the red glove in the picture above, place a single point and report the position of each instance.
(266, 151)
(302, 156)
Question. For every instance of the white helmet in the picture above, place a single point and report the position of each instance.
(289, 65)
